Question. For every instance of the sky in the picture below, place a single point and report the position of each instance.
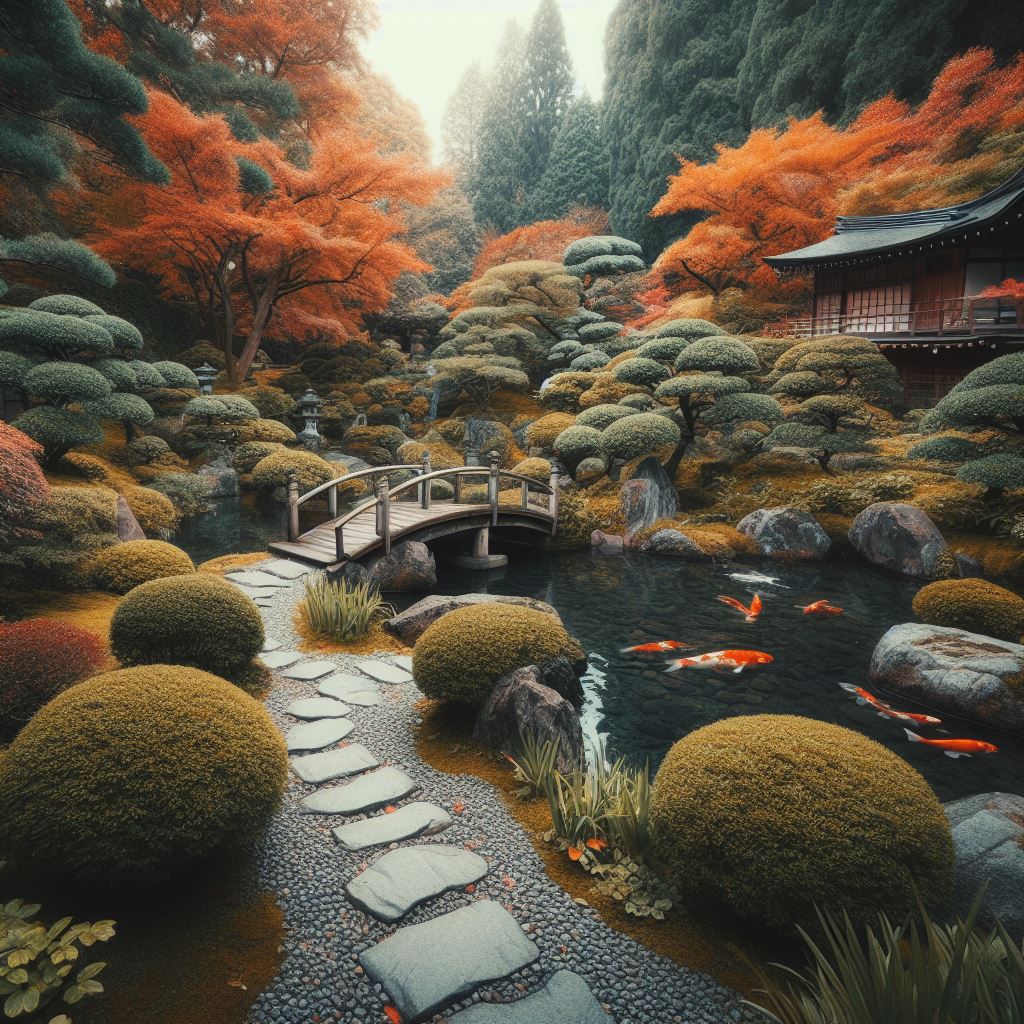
(423, 46)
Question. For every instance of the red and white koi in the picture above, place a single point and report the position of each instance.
(658, 647)
(884, 710)
(733, 661)
(955, 748)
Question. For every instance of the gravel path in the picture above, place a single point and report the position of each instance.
(321, 979)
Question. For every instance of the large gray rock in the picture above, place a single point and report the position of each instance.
(408, 568)
(221, 478)
(786, 533)
(673, 542)
(415, 819)
(409, 625)
(521, 705)
(988, 838)
(426, 967)
(648, 495)
(367, 793)
(606, 543)
(565, 999)
(969, 675)
(404, 878)
(899, 537)
(589, 471)
(127, 525)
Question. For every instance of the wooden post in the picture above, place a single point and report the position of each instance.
(456, 488)
(332, 501)
(553, 498)
(293, 507)
(525, 491)
(493, 486)
(339, 542)
(384, 513)
(482, 543)
(424, 487)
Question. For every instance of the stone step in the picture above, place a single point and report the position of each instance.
(316, 735)
(415, 819)
(403, 661)
(280, 659)
(257, 594)
(255, 578)
(383, 672)
(263, 602)
(309, 670)
(312, 708)
(426, 967)
(402, 879)
(333, 764)
(565, 999)
(351, 689)
(286, 569)
(271, 645)
(367, 793)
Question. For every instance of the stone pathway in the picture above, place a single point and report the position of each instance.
(473, 947)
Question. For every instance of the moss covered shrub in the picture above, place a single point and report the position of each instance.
(155, 512)
(197, 620)
(769, 815)
(996, 472)
(124, 566)
(135, 773)
(143, 450)
(463, 654)
(635, 437)
(310, 470)
(541, 433)
(245, 456)
(575, 444)
(641, 372)
(535, 469)
(975, 605)
(38, 659)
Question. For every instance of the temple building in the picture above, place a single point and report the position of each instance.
(912, 283)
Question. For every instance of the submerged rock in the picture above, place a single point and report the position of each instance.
(408, 568)
(969, 675)
(408, 625)
(606, 543)
(898, 536)
(649, 495)
(786, 533)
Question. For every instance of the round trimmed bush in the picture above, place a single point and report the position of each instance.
(197, 620)
(601, 416)
(310, 470)
(135, 773)
(247, 455)
(155, 511)
(589, 361)
(542, 432)
(146, 449)
(575, 444)
(642, 372)
(948, 448)
(996, 472)
(125, 566)
(975, 605)
(38, 659)
(692, 329)
(636, 436)
(66, 305)
(60, 383)
(534, 468)
(770, 815)
(465, 652)
(176, 375)
(726, 355)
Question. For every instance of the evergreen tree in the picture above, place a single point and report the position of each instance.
(463, 120)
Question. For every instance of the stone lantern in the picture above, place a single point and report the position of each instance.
(311, 412)
(206, 375)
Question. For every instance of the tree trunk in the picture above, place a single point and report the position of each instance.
(261, 317)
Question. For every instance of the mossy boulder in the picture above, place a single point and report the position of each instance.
(136, 773)
(974, 605)
(123, 567)
(465, 652)
(768, 816)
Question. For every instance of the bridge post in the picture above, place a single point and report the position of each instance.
(553, 498)
(332, 502)
(424, 488)
(493, 486)
(293, 507)
(384, 513)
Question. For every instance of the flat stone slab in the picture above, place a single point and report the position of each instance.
(255, 578)
(317, 735)
(257, 593)
(403, 661)
(280, 659)
(312, 708)
(383, 672)
(353, 689)
(333, 764)
(402, 879)
(264, 602)
(284, 568)
(426, 967)
(271, 645)
(367, 793)
(565, 999)
(415, 819)
(310, 670)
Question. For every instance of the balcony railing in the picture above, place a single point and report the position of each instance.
(967, 316)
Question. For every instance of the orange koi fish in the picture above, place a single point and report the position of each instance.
(884, 710)
(749, 614)
(392, 1015)
(955, 748)
(655, 648)
(722, 661)
(820, 608)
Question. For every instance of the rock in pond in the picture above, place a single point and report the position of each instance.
(606, 543)
(786, 533)
(673, 542)
(969, 675)
(988, 838)
(898, 536)
(647, 496)
(408, 568)
(410, 624)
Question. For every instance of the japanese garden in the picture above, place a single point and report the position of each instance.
(511, 512)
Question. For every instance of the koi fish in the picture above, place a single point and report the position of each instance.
(820, 608)
(955, 748)
(757, 578)
(884, 710)
(750, 614)
(392, 1015)
(722, 661)
(655, 648)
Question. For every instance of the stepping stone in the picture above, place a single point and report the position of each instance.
(280, 659)
(565, 999)
(263, 602)
(271, 645)
(254, 578)
(367, 793)
(403, 661)
(310, 670)
(402, 879)
(257, 594)
(312, 708)
(352, 689)
(415, 819)
(317, 735)
(333, 764)
(426, 967)
(383, 672)
(285, 569)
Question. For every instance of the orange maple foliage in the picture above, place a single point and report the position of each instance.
(1008, 289)
(542, 240)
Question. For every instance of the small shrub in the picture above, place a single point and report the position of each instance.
(462, 655)
(641, 372)
(637, 436)
(534, 468)
(137, 773)
(272, 403)
(124, 566)
(197, 620)
(952, 504)
(273, 470)
(187, 492)
(155, 512)
(246, 455)
(145, 449)
(996, 472)
(692, 329)
(975, 605)
(542, 433)
(339, 611)
(601, 416)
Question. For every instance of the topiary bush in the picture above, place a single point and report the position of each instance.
(197, 620)
(692, 329)
(634, 437)
(996, 472)
(136, 773)
(534, 468)
(156, 513)
(575, 444)
(601, 416)
(38, 659)
(975, 605)
(311, 471)
(462, 655)
(645, 373)
(542, 432)
(770, 815)
(245, 456)
(145, 449)
(124, 566)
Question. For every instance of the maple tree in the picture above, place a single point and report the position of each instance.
(542, 240)
(23, 485)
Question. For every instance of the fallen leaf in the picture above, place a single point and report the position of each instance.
(597, 844)
(392, 1015)
(458, 807)
(575, 852)
(471, 889)
(508, 881)
(390, 809)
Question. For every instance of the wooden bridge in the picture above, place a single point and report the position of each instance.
(409, 512)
